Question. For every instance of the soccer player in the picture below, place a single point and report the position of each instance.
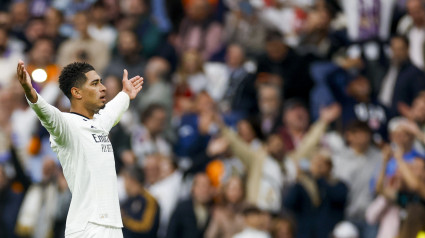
(80, 138)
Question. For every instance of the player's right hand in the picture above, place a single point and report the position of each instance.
(23, 76)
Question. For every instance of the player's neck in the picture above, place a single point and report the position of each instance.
(79, 109)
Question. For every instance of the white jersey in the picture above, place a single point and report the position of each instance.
(87, 159)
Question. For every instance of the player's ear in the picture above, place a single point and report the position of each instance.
(76, 93)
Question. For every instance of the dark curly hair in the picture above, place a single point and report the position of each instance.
(73, 75)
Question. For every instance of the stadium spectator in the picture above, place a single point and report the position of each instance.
(199, 31)
(411, 196)
(239, 94)
(167, 191)
(267, 193)
(227, 218)
(140, 212)
(20, 16)
(41, 57)
(402, 138)
(295, 120)
(5, 20)
(417, 112)
(412, 26)
(34, 30)
(416, 122)
(8, 58)
(317, 200)
(12, 191)
(146, 138)
(25, 136)
(54, 20)
(269, 166)
(316, 39)
(189, 80)
(128, 56)
(151, 167)
(283, 228)
(356, 164)
(364, 108)
(407, 192)
(45, 205)
(254, 224)
(369, 20)
(219, 73)
(243, 27)
(269, 104)
(138, 19)
(191, 217)
(279, 59)
(113, 10)
(158, 89)
(353, 92)
(193, 130)
(249, 130)
(403, 80)
(99, 29)
(83, 48)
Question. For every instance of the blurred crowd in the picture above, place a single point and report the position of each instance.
(258, 118)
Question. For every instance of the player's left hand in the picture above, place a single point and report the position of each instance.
(131, 86)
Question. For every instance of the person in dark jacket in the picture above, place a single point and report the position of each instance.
(283, 61)
(317, 201)
(353, 92)
(12, 191)
(11, 195)
(240, 95)
(140, 212)
(403, 81)
(191, 217)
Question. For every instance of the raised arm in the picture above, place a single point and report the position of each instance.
(380, 186)
(312, 138)
(412, 181)
(51, 118)
(25, 81)
(113, 110)
(131, 86)
(413, 128)
(240, 148)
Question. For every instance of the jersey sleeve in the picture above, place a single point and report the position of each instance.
(52, 119)
(111, 114)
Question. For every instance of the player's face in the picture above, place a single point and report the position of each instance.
(94, 92)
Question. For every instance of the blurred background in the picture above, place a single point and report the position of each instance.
(258, 118)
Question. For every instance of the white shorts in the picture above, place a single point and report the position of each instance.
(97, 231)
